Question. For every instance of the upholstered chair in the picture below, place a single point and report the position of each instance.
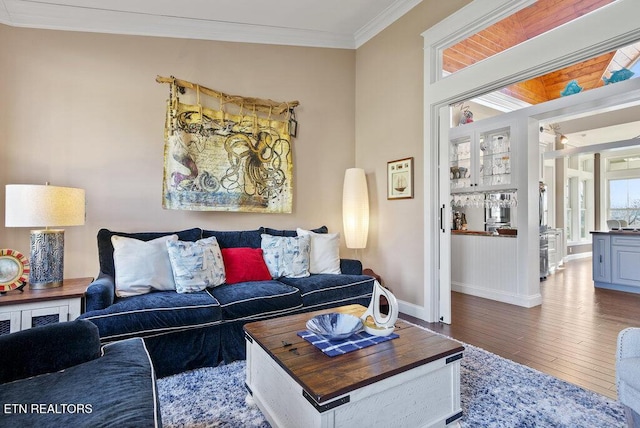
(628, 374)
(60, 376)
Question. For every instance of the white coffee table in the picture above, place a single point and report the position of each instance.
(412, 381)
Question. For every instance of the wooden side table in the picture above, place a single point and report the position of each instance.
(34, 308)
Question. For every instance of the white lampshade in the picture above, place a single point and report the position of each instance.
(29, 205)
(45, 206)
(355, 208)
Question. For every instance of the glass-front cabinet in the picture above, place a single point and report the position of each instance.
(480, 160)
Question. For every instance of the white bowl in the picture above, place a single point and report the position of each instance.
(335, 326)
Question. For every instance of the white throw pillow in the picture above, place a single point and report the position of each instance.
(142, 265)
(286, 256)
(325, 252)
(196, 265)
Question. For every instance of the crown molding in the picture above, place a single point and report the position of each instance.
(383, 20)
(501, 102)
(61, 17)
(30, 14)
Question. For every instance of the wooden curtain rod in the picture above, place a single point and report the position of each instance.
(266, 106)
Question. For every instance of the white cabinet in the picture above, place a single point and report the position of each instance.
(481, 160)
(556, 253)
(28, 315)
(35, 308)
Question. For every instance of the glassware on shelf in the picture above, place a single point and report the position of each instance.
(480, 200)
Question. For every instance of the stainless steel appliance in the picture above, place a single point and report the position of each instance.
(544, 230)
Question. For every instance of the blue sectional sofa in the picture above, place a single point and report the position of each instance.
(192, 330)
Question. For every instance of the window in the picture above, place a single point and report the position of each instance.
(568, 209)
(523, 25)
(624, 200)
(579, 198)
(582, 196)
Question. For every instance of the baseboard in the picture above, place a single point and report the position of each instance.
(578, 256)
(513, 299)
(413, 310)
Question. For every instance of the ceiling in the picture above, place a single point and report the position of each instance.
(343, 24)
(540, 17)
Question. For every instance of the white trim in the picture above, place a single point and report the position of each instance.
(33, 14)
(501, 102)
(527, 60)
(513, 299)
(578, 256)
(383, 20)
(412, 309)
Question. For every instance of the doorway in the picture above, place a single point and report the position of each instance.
(529, 59)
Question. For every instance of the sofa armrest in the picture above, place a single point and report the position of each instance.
(48, 349)
(628, 343)
(100, 293)
(351, 267)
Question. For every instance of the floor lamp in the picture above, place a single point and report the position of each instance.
(45, 206)
(355, 208)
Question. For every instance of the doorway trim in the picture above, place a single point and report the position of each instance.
(545, 53)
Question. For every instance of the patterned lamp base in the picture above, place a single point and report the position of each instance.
(47, 258)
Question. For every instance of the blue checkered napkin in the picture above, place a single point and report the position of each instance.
(339, 347)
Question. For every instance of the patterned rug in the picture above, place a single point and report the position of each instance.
(495, 392)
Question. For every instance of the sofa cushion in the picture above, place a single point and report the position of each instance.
(105, 248)
(321, 289)
(196, 265)
(286, 255)
(155, 313)
(290, 233)
(142, 265)
(235, 239)
(244, 264)
(325, 252)
(256, 300)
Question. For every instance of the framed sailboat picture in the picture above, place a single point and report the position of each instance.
(400, 179)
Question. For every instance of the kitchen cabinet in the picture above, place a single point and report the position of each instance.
(556, 253)
(601, 244)
(616, 260)
(481, 160)
(625, 258)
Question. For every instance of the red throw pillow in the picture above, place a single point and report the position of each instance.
(244, 264)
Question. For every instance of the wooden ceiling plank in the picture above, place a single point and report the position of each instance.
(530, 22)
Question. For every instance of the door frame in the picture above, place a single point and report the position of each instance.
(545, 53)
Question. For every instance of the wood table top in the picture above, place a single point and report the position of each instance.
(74, 287)
(324, 377)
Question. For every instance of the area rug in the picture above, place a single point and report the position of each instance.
(495, 392)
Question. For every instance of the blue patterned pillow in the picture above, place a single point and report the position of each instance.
(286, 256)
(196, 265)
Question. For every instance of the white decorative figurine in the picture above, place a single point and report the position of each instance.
(382, 325)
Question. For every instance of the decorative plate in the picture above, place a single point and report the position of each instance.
(14, 269)
(335, 326)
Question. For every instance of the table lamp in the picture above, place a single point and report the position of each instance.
(45, 206)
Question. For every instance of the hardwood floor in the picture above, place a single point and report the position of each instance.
(571, 336)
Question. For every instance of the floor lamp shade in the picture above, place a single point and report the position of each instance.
(43, 206)
(355, 208)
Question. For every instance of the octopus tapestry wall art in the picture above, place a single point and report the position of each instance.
(217, 161)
